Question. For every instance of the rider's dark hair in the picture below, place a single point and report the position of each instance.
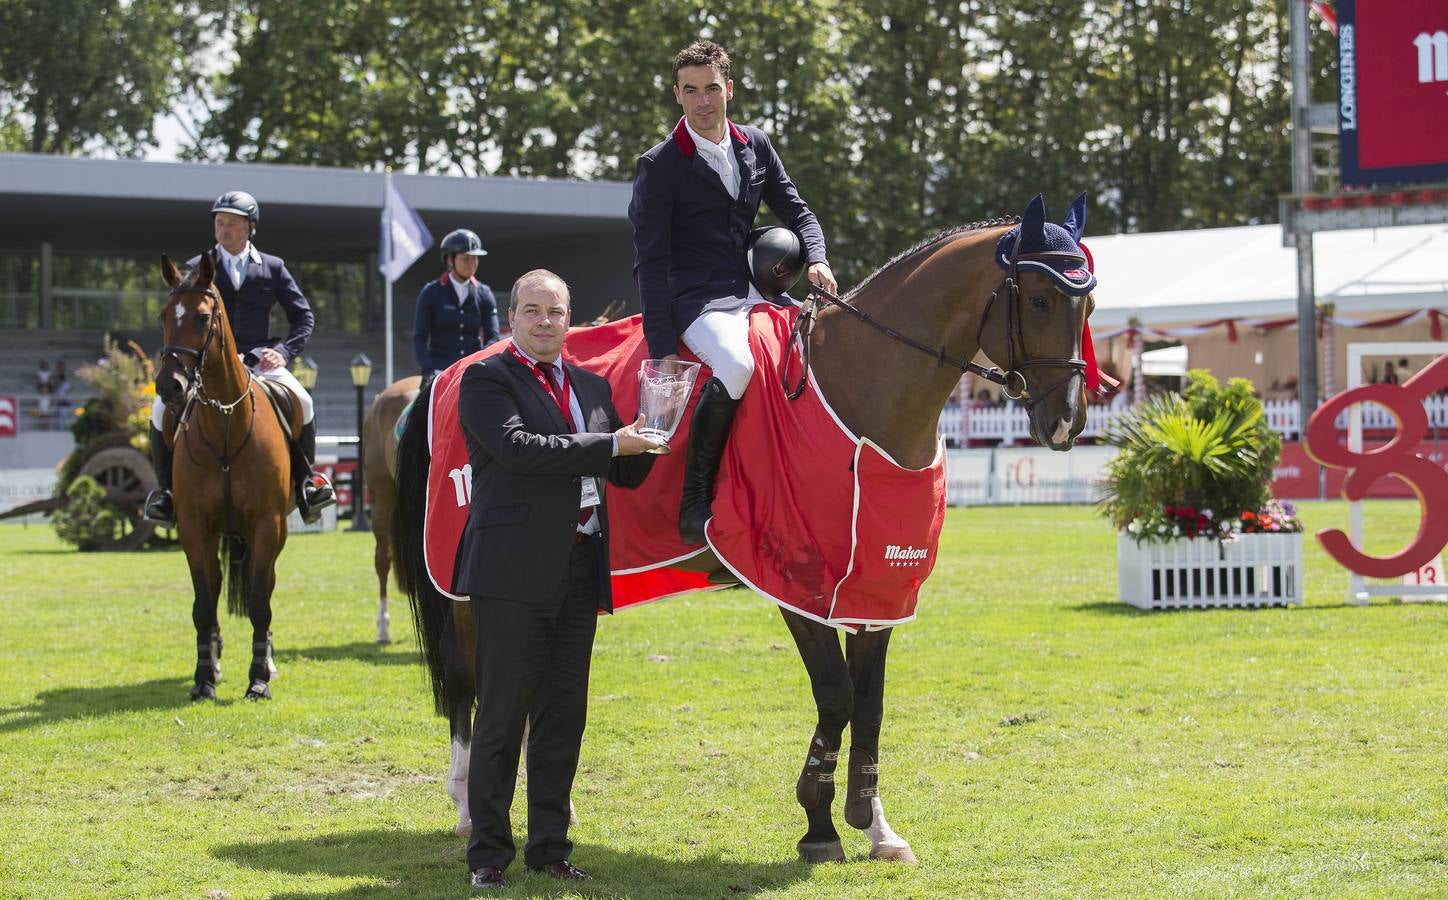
(702, 53)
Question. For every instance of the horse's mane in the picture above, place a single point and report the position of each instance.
(929, 242)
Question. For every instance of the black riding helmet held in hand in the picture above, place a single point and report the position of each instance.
(461, 241)
(239, 203)
(776, 258)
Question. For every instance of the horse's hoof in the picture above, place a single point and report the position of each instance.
(204, 691)
(258, 691)
(464, 828)
(901, 854)
(829, 851)
(383, 639)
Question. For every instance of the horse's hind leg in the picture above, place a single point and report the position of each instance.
(819, 647)
(205, 566)
(382, 560)
(863, 808)
(460, 727)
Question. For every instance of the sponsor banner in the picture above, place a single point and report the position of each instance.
(21, 486)
(1393, 91)
(1295, 477)
(1025, 475)
(9, 417)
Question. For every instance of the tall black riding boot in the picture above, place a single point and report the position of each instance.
(713, 418)
(314, 491)
(159, 507)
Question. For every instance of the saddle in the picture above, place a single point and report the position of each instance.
(287, 405)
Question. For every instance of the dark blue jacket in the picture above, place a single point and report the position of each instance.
(689, 234)
(267, 282)
(444, 331)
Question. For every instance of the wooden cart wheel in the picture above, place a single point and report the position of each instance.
(128, 477)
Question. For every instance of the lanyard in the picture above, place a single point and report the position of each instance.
(559, 398)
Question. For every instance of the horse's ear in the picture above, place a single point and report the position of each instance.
(1076, 218)
(205, 270)
(1033, 223)
(168, 272)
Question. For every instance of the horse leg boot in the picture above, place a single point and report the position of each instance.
(160, 508)
(815, 791)
(314, 491)
(262, 670)
(864, 811)
(713, 417)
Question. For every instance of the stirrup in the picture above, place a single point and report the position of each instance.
(316, 495)
(159, 508)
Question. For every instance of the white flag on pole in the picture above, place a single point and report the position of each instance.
(410, 238)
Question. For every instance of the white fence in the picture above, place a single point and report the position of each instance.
(1009, 424)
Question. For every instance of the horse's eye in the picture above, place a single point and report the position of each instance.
(1038, 301)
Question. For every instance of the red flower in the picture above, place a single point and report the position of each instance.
(1169, 510)
(1188, 512)
(1248, 515)
(1201, 522)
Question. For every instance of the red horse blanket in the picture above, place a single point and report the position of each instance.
(805, 513)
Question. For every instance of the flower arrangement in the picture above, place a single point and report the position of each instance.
(1195, 464)
(121, 409)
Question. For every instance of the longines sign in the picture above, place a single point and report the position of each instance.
(1393, 91)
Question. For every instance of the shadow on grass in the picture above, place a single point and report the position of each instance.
(361, 651)
(81, 702)
(432, 864)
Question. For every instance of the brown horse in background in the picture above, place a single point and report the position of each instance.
(231, 472)
(379, 471)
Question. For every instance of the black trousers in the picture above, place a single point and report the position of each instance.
(532, 664)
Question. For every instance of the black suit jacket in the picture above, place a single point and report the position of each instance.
(690, 236)
(527, 475)
(267, 282)
(444, 330)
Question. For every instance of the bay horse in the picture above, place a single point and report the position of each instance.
(231, 478)
(920, 319)
(379, 471)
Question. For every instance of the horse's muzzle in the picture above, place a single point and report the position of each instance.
(171, 387)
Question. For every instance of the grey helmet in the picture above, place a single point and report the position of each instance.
(461, 241)
(239, 203)
(776, 259)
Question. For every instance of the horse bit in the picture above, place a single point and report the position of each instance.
(1012, 380)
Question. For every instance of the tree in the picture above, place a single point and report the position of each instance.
(80, 76)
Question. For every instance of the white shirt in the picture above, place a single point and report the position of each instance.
(461, 287)
(235, 266)
(719, 156)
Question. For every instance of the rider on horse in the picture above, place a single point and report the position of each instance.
(249, 283)
(694, 201)
(456, 314)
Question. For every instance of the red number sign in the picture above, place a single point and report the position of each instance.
(1394, 458)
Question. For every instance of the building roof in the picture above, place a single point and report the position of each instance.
(1180, 277)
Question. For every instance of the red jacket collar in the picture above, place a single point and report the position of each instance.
(444, 280)
(685, 141)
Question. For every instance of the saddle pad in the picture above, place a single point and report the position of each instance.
(802, 507)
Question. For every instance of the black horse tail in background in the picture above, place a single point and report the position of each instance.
(431, 610)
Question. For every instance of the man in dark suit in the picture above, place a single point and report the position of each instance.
(541, 435)
(694, 201)
(251, 283)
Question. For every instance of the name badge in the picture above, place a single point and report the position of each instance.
(590, 493)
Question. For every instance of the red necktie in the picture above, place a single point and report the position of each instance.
(584, 512)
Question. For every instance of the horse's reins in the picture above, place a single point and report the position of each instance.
(804, 326)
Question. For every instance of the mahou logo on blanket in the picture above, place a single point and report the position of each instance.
(906, 556)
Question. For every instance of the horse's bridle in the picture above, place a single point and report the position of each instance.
(1012, 377)
(196, 389)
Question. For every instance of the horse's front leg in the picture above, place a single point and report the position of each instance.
(261, 578)
(205, 565)
(819, 648)
(863, 809)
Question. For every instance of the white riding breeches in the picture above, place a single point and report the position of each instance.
(280, 374)
(720, 338)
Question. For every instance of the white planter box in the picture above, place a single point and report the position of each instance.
(1253, 570)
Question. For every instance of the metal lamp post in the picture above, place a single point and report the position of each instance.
(361, 369)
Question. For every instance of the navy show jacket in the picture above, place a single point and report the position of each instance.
(690, 235)
(444, 330)
(249, 308)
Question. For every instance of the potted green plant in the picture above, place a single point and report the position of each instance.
(1188, 492)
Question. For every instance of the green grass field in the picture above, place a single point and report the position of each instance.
(1041, 738)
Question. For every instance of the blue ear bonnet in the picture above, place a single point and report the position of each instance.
(1037, 236)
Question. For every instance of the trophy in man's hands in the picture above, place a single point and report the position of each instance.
(664, 388)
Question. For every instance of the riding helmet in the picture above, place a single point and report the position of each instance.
(776, 258)
(461, 241)
(239, 203)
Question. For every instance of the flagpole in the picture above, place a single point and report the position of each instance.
(387, 279)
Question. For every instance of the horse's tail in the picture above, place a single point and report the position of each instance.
(235, 573)
(431, 610)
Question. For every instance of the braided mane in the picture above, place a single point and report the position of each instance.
(929, 242)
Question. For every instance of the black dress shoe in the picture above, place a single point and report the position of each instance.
(486, 877)
(562, 869)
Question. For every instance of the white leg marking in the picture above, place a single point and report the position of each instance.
(384, 622)
(457, 786)
(884, 842)
(1062, 432)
